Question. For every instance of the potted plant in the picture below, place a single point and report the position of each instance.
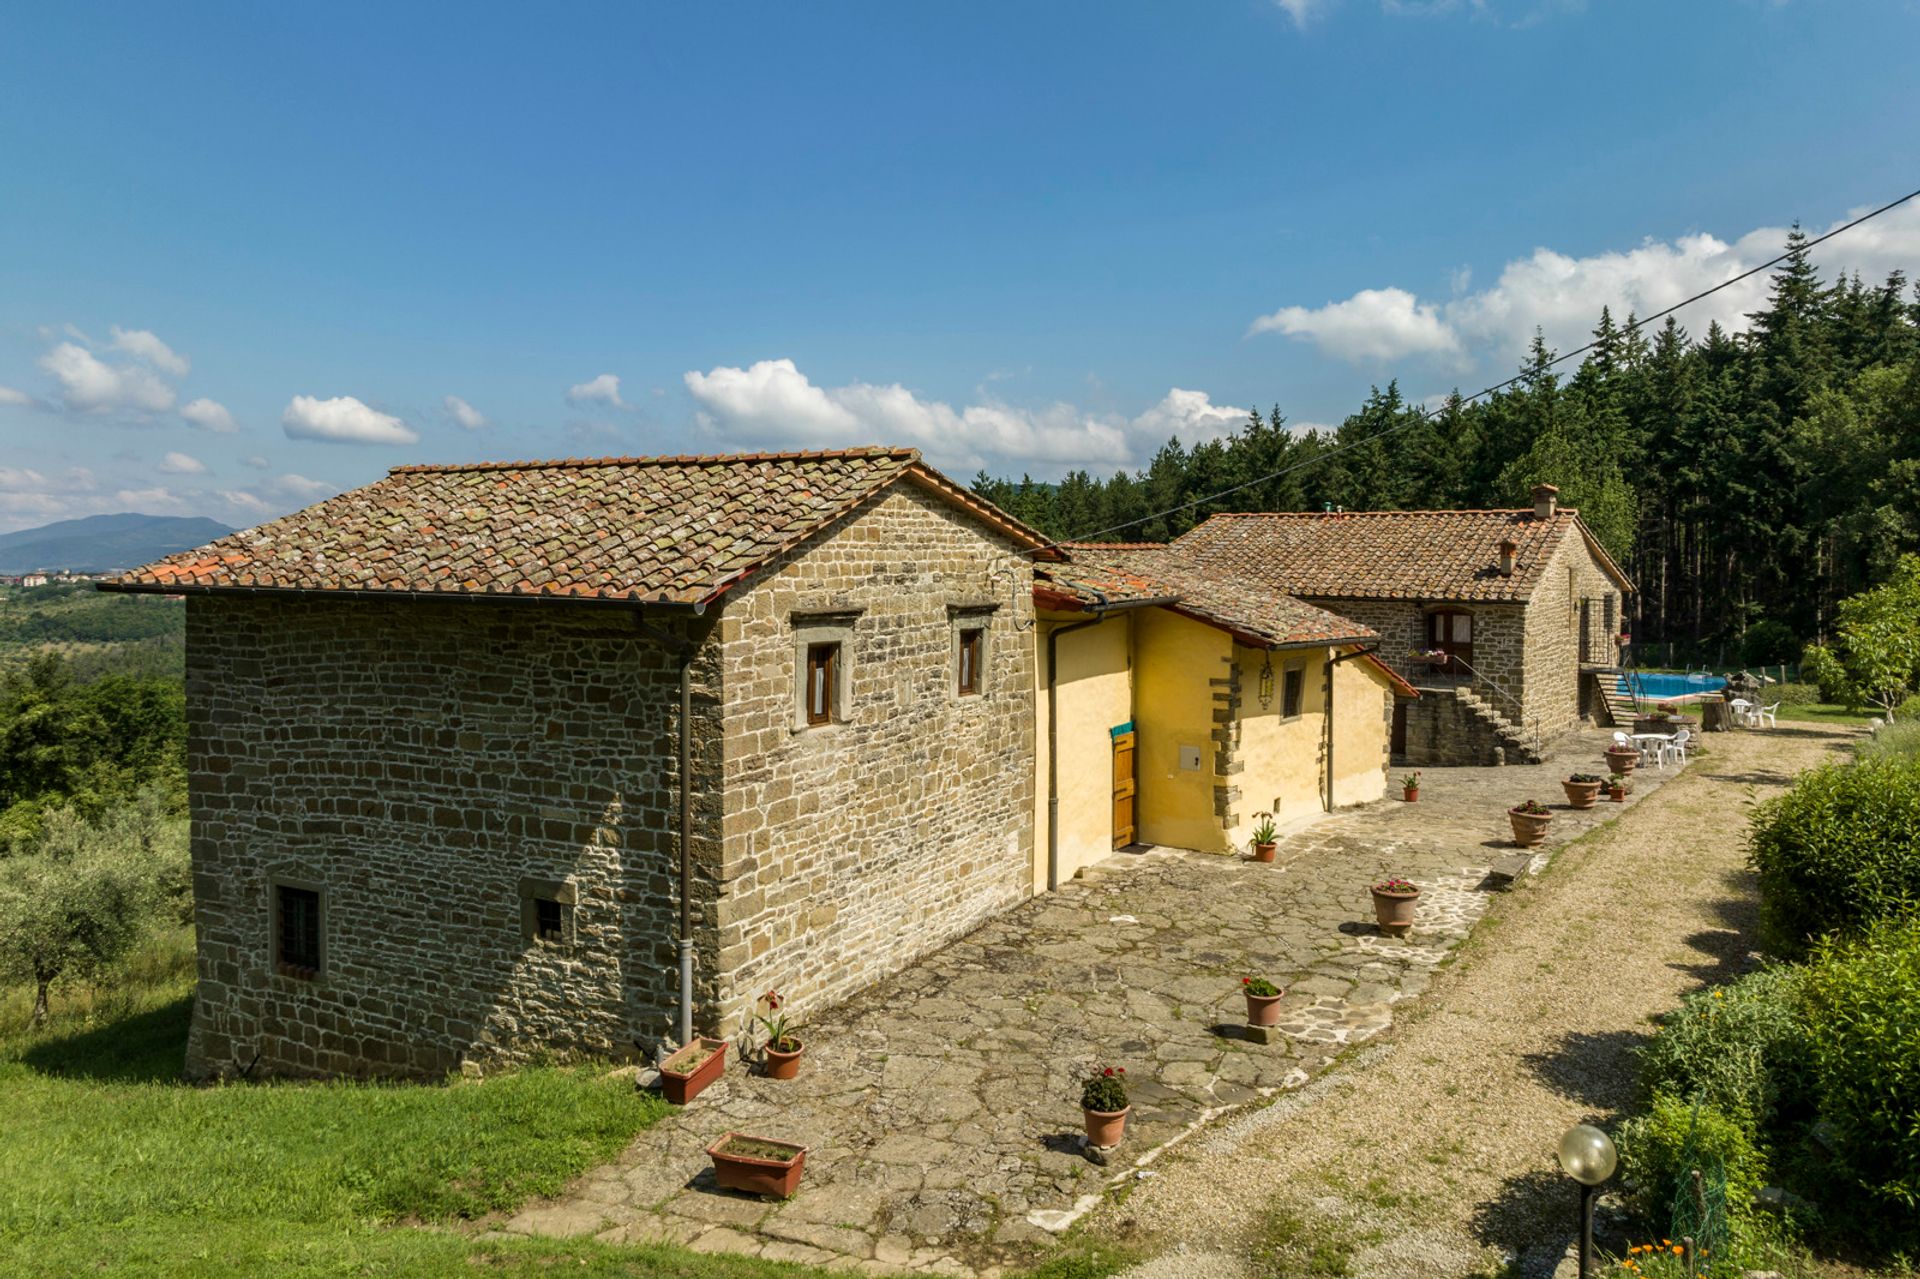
(1263, 1001)
(757, 1165)
(1410, 788)
(1530, 822)
(1435, 657)
(1393, 901)
(1264, 837)
(1621, 759)
(783, 1046)
(1104, 1106)
(1583, 789)
(692, 1068)
(1617, 790)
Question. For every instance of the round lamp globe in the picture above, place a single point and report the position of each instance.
(1587, 1155)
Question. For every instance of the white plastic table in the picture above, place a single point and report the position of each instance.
(1643, 741)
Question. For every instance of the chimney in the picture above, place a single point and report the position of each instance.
(1546, 500)
(1509, 548)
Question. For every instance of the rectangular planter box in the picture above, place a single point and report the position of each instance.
(757, 1173)
(682, 1086)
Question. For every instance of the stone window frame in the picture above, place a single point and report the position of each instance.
(307, 884)
(823, 628)
(960, 619)
(564, 893)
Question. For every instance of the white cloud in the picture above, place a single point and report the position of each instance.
(257, 462)
(1190, 415)
(244, 501)
(208, 415)
(129, 498)
(301, 486)
(90, 386)
(1300, 10)
(19, 479)
(1561, 294)
(464, 413)
(772, 403)
(10, 396)
(343, 420)
(79, 477)
(182, 464)
(1373, 324)
(143, 345)
(604, 389)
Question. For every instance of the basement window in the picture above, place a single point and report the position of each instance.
(546, 911)
(296, 931)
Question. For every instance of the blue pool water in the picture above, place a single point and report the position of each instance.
(1660, 687)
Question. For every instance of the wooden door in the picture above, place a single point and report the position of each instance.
(1123, 789)
(1452, 634)
(1398, 745)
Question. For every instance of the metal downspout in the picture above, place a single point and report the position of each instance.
(1053, 745)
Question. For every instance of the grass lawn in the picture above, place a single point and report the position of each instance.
(1824, 713)
(111, 1166)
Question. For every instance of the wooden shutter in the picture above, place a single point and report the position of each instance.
(821, 661)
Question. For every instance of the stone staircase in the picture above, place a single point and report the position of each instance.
(1615, 709)
(1516, 745)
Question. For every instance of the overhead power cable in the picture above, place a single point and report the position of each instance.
(1427, 415)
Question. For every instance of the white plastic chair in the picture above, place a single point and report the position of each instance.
(1676, 748)
(1764, 715)
(1743, 711)
(1621, 739)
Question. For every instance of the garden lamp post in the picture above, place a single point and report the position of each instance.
(1588, 1157)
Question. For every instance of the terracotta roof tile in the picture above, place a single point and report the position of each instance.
(1254, 613)
(672, 530)
(1415, 555)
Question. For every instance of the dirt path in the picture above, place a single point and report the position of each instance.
(1432, 1153)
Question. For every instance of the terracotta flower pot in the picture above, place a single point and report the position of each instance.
(1621, 759)
(1264, 852)
(1528, 828)
(784, 1065)
(682, 1078)
(1394, 911)
(1263, 1010)
(1581, 794)
(1618, 794)
(1411, 794)
(1105, 1127)
(757, 1165)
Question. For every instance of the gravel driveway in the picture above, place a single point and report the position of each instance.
(1432, 1153)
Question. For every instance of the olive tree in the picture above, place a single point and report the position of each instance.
(71, 906)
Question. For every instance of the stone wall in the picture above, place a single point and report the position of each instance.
(1554, 633)
(419, 763)
(853, 848)
(1499, 646)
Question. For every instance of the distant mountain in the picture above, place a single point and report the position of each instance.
(104, 543)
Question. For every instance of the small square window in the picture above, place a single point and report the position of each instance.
(970, 649)
(547, 921)
(546, 911)
(823, 661)
(297, 930)
(1292, 686)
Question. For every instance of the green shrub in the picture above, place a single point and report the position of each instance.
(1838, 852)
(1741, 1049)
(1908, 710)
(1863, 1020)
(1792, 694)
(1897, 741)
(1660, 1149)
(1823, 670)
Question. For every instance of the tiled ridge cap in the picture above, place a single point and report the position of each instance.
(1347, 515)
(671, 459)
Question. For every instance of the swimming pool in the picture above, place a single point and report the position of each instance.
(1660, 688)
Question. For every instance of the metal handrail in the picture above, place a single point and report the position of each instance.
(1495, 686)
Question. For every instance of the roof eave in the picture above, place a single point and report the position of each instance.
(330, 592)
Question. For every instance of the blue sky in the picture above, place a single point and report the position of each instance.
(247, 253)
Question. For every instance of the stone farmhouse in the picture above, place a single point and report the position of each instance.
(583, 756)
(1525, 609)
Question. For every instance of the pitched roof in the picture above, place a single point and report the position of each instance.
(663, 530)
(1098, 575)
(1412, 555)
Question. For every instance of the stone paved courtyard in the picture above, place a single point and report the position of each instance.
(941, 1108)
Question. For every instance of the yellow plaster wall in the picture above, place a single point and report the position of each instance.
(1283, 761)
(1174, 660)
(1095, 693)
